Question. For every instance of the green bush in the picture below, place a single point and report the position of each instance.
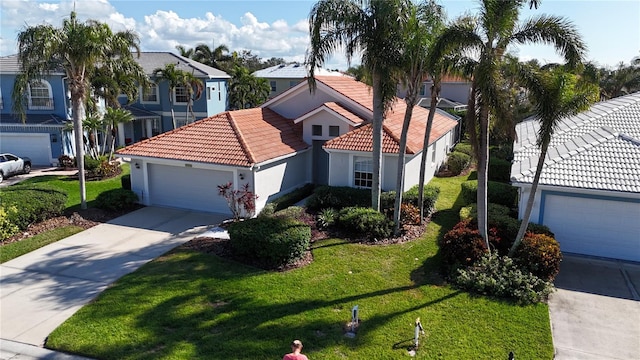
(35, 203)
(431, 194)
(471, 212)
(364, 222)
(457, 162)
(292, 212)
(7, 228)
(338, 197)
(268, 210)
(91, 164)
(271, 241)
(116, 200)
(539, 254)
(388, 201)
(504, 151)
(464, 148)
(500, 277)
(497, 192)
(499, 170)
(125, 181)
(461, 246)
(293, 197)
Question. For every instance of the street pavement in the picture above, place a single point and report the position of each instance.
(40, 290)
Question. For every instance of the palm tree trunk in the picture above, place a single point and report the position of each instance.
(435, 91)
(378, 117)
(483, 167)
(401, 156)
(530, 201)
(78, 116)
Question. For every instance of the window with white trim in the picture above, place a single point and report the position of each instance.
(180, 95)
(40, 95)
(362, 172)
(150, 94)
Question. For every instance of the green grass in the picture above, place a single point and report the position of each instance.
(13, 250)
(72, 187)
(189, 305)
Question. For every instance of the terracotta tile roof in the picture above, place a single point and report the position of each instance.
(239, 138)
(392, 125)
(360, 140)
(341, 110)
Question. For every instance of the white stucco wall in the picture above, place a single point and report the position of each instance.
(282, 176)
(325, 119)
(301, 101)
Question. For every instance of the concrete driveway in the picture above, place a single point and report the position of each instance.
(40, 290)
(595, 314)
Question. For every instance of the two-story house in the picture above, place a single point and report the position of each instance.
(42, 135)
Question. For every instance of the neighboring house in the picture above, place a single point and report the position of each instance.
(293, 139)
(589, 192)
(41, 137)
(153, 107)
(285, 76)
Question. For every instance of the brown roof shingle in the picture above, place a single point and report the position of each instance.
(238, 138)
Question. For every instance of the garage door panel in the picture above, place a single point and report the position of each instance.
(597, 227)
(34, 146)
(187, 188)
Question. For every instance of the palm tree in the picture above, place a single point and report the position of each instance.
(246, 90)
(76, 48)
(111, 119)
(555, 94)
(495, 28)
(92, 124)
(179, 78)
(372, 28)
(188, 53)
(425, 21)
(212, 57)
(621, 81)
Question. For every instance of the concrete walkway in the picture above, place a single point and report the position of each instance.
(40, 290)
(595, 313)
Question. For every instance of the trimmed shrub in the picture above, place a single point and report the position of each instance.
(540, 229)
(268, 210)
(326, 218)
(272, 241)
(125, 181)
(431, 194)
(500, 277)
(458, 162)
(293, 197)
(364, 222)
(338, 197)
(91, 164)
(471, 212)
(464, 148)
(36, 202)
(7, 228)
(116, 200)
(504, 151)
(497, 192)
(499, 170)
(65, 161)
(292, 212)
(539, 254)
(461, 246)
(388, 201)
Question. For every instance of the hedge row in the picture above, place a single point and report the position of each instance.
(338, 197)
(34, 203)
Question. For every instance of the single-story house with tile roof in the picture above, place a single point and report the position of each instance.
(589, 190)
(299, 137)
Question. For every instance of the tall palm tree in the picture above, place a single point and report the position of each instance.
(75, 48)
(179, 78)
(372, 28)
(246, 90)
(92, 124)
(555, 94)
(212, 57)
(425, 22)
(495, 28)
(188, 53)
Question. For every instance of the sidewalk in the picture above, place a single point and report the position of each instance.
(40, 290)
(11, 350)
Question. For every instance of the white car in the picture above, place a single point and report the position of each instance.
(13, 165)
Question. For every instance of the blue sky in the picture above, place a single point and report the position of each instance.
(272, 28)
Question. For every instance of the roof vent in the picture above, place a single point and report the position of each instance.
(282, 65)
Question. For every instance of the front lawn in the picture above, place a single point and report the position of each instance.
(72, 187)
(190, 305)
(19, 248)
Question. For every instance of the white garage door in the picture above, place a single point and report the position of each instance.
(34, 146)
(187, 188)
(595, 227)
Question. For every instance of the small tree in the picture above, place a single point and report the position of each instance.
(242, 202)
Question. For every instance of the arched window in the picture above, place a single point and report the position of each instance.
(40, 95)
